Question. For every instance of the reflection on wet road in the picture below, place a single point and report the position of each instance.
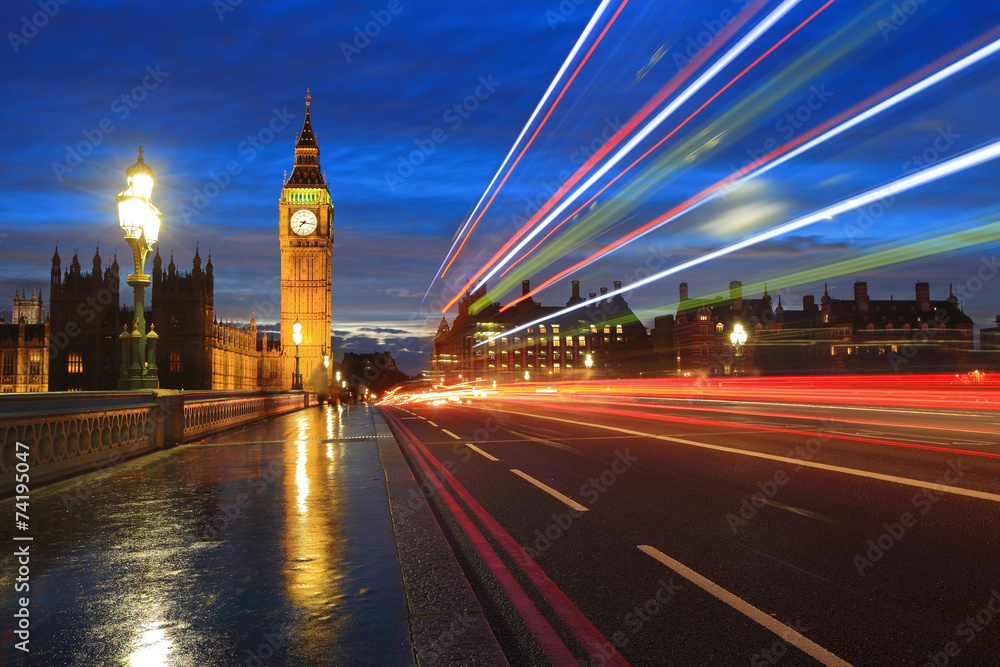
(270, 545)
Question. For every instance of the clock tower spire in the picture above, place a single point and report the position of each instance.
(305, 236)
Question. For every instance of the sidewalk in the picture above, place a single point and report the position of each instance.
(447, 625)
(269, 545)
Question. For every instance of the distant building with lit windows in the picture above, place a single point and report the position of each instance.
(857, 335)
(555, 348)
(24, 347)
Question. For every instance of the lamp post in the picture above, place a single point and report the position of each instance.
(140, 221)
(297, 339)
(738, 338)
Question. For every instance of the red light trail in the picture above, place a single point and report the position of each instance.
(633, 122)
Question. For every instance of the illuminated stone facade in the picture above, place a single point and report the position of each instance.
(305, 236)
(554, 349)
(24, 347)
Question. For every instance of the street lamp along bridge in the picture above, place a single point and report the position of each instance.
(140, 221)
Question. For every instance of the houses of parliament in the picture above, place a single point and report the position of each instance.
(76, 346)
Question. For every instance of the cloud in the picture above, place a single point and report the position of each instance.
(384, 330)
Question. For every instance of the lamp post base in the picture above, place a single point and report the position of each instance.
(138, 368)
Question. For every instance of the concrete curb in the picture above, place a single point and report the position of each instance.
(447, 624)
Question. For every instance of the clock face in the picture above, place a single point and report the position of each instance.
(303, 222)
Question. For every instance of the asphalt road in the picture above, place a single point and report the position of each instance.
(729, 534)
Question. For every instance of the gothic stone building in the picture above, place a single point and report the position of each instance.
(24, 347)
(85, 320)
(194, 350)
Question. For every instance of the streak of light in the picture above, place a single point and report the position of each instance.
(672, 85)
(754, 34)
(686, 94)
(749, 411)
(768, 162)
(830, 435)
(572, 54)
(927, 175)
(974, 391)
(965, 238)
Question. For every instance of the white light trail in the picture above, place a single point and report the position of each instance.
(953, 166)
(688, 92)
(888, 103)
(562, 70)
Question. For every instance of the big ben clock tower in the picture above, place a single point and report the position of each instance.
(305, 233)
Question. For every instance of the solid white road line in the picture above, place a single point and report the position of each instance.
(476, 449)
(450, 433)
(549, 490)
(796, 463)
(777, 627)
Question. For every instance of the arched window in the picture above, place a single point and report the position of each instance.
(74, 363)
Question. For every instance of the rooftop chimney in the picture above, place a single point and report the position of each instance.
(618, 285)
(861, 295)
(809, 304)
(604, 290)
(924, 296)
(593, 295)
(684, 292)
(525, 287)
(575, 299)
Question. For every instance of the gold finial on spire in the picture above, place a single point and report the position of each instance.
(308, 98)
(140, 153)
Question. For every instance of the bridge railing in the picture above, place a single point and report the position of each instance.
(65, 433)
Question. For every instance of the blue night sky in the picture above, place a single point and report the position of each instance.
(414, 119)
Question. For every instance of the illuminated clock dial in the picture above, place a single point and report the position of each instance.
(303, 222)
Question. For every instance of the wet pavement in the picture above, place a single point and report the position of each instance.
(270, 545)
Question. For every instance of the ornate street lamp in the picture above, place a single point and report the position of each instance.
(589, 361)
(738, 338)
(140, 221)
(297, 339)
(527, 376)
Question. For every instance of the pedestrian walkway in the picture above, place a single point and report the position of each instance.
(270, 545)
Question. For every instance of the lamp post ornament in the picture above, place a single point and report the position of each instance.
(140, 221)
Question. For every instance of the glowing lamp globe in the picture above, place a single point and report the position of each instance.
(739, 336)
(297, 333)
(136, 214)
